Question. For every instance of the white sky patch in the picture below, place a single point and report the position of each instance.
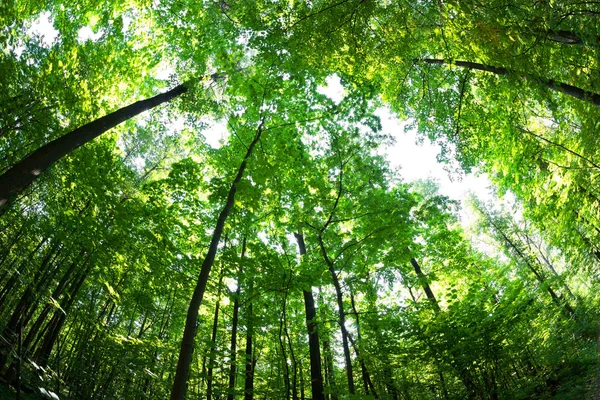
(139, 163)
(163, 71)
(334, 89)
(419, 161)
(216, 133)
(86, 33)
(44, 28)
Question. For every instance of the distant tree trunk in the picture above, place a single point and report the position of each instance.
(425, 284)
(341, 316)
(293, 358)
(56, 323)
(250, 359)
(26, 171)
(14, 279)
(189, 333)
(234, 327)
(367, 383)
(328, 361)
(300, 372)
(389, 383)
(464, 374)
(283, 337)
(213, 343)
(56, 294)
(316, 375)
(558, 300)
(564, 88)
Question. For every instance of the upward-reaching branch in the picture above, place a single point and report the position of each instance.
(564, 88)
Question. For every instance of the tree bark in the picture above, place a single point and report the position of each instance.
(341, 316)
(213, 343)
(425, 284)
(189, 333)
(234, 327)
(250, 359)
(26, 171)
(367, 383)
(564, 88)
(316, 375)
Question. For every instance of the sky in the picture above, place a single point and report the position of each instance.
(418, 161)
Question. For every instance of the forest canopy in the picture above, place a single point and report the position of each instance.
(140, 259)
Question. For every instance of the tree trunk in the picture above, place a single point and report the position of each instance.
(26, 171)
(250, 359)
(213, 343)
(464, 374)
(189, 333)
(58, 320)
(564, 88)
(558, 300)
(58, 291)
(234, 327)
(367, 383)
(316, 376)
(425, 284)
(341, 316)
(282, 340)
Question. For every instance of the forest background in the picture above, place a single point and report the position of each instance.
(141, 260)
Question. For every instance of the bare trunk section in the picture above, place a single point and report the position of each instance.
(26, 171)
(564, 88)
(189, 333)
(316, 375)
(234, 327)
(342, 316)
(367, 382)
(425, 284)
(464, 374)
(250, 359)
(213, 342)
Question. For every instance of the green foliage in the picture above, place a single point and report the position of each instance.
(99, 259)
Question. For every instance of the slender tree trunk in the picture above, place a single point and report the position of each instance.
(558, 300)
(58, 291)
(292, 355)
(301, 377)
(464, 374)
(390, 386)
(26, 171)
(367, 383)
(250, 359)
(234, 327)
(341, 316)
(213, 344)
(425, 284)
(328, 361)
(189, 333)
(564, 88)
(282, 339)
(58, 320)
(316, 376)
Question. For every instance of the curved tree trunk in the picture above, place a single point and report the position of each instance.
(189, 332)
